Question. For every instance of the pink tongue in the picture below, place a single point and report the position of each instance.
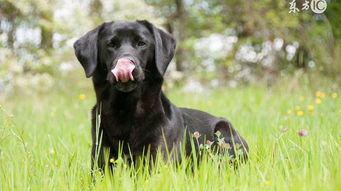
(123, 70)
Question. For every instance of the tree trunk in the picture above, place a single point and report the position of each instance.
(96, 7)
(9, 13)
(180, 34)
(46, 30)
(11, 36)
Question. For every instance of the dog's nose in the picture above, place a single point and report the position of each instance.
(128, 57)
(124, 61)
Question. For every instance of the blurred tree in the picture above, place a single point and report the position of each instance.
(96, 10)
(256, 23)
(30, 14)
(180, 33)
(10, 17)
(175, 14)
(46, 27)
(333, 13)
(38, 33)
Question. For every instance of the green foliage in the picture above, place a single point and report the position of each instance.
(333, 14)
(256, 23)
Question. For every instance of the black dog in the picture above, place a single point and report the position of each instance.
(127, 61)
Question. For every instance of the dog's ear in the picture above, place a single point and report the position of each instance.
(86, 51)
(164, 47)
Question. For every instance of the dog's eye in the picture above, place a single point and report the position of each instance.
(141, 43)
(111, 44)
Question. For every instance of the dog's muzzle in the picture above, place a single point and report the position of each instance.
(123, 70)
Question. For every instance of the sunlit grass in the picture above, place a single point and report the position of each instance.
(45, 143)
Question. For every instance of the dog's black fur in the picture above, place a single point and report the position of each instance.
(137, 114)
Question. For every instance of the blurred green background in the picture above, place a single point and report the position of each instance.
(220, 42)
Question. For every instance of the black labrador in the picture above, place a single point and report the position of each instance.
(127, 61)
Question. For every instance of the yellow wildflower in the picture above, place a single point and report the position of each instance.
(310, 107)
(112, 160)
(289, 111)
(318, 101)
(317, 93)
(334, 95)
(301, 98)
(298, 108)
(82, 96)
(267, 182)
(320, 94)
(299, 113)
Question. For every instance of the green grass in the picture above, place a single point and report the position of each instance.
(45, 143)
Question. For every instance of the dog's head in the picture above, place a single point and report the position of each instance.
(125, 53)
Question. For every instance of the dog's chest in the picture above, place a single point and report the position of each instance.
(132, 131)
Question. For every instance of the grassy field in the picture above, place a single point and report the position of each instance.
(45, 143)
